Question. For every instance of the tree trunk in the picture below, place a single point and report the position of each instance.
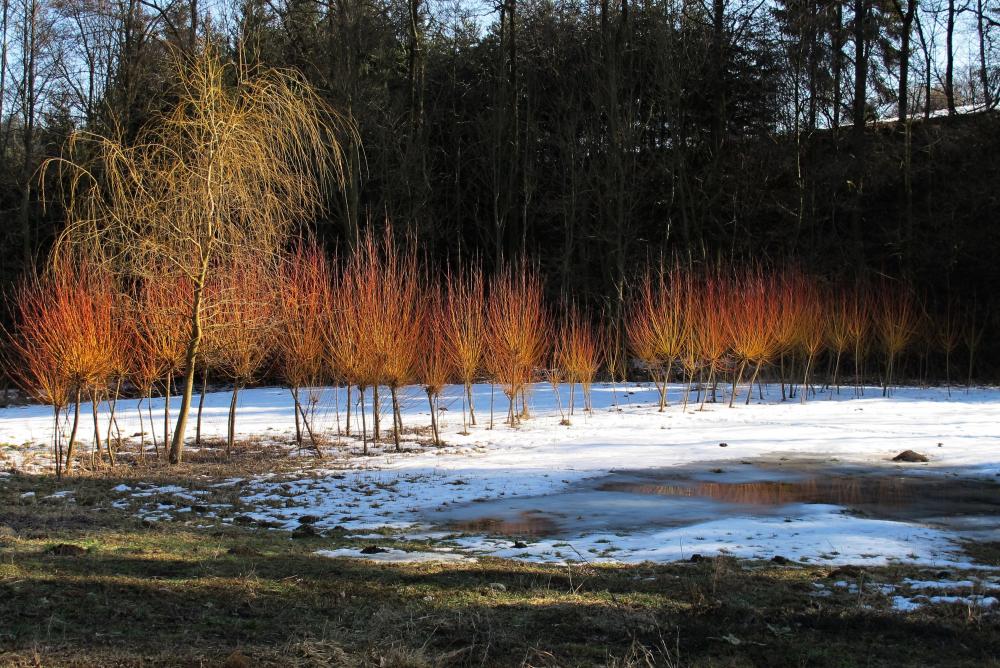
(472, 408)
(112, 420)
(347, 430)
(949, 70)
(805, 380)
(308, 428)
(201, 406)
(295, 410)
(925, 48)
(861, 51)
(984, 78)
(142, 430)
(947, 371)
(836, 372)
(28, 102)
(56, 445)
(231, 431)
(397, 418)
(837, 55)
(756, 372)
(376, 414)
(152, 423)
(72, 433)
(97, 427)
(166, 408)
(190, 360)
(4, 15)
(364, 429)
(906, 25)
(888, 376)
(434, 425)
(736, 381)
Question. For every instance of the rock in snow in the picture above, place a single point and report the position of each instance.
(910, 456)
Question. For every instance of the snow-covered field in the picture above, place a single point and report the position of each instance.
(538, 477)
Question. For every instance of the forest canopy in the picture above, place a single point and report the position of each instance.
(858, 139)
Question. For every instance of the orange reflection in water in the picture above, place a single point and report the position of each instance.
(841, 491)
(525, 524)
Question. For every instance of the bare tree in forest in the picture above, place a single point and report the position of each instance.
(983, 23)
(37, 51)
(905, 13)
(949, 67)
(862, 52)
(4, 29)
(228, 167)
(927, 50)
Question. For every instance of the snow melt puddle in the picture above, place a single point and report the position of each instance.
(683, 496)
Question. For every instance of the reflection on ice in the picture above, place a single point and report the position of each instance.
(627, 501)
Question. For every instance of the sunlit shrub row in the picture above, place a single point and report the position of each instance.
(382, 320)
(734, 324)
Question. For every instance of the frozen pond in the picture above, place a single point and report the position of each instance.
(625, 501)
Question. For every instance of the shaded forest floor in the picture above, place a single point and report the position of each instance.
(85, 583)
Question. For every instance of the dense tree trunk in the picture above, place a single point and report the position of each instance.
(4, 26)
(906, 30)
(837, 56)
(984, 79)
(949, 68)
(862, 8)
(29, 102)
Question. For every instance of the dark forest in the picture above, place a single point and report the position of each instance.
(591, 138)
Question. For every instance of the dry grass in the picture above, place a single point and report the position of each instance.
(171, 595)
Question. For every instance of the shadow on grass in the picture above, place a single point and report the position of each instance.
(179, 592)
(174, 595)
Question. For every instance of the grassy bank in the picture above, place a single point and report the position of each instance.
(84, 583)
